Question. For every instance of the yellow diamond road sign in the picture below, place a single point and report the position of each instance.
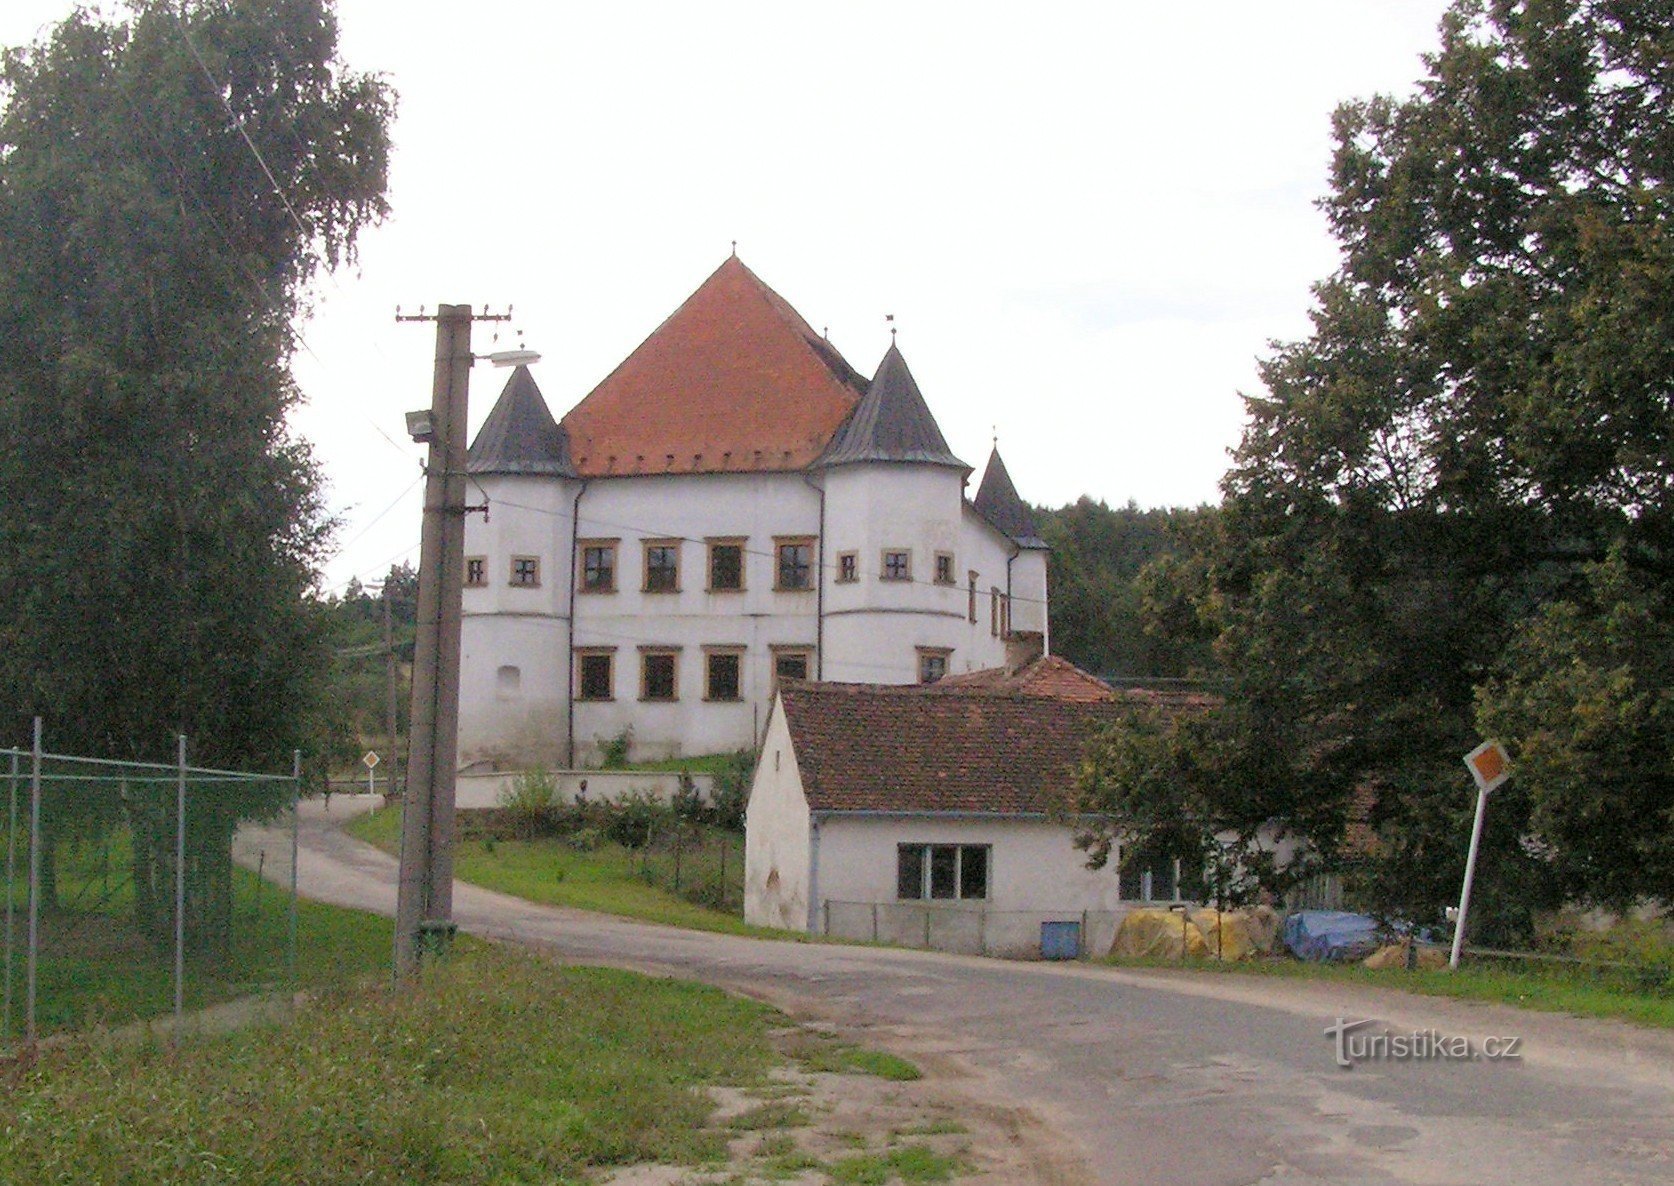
(370, 760)
(1489, 765)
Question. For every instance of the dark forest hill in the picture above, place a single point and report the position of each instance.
(1099, 595)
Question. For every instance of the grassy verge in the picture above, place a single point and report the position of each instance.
(498, 1068)
(607, 878)
(1586, 993)
(94, 969)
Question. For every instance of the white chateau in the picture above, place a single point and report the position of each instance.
(733, 505)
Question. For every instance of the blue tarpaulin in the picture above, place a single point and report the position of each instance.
(1331, 935)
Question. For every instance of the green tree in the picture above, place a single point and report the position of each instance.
(1480, 416)
(169, 186)
(1098, 556)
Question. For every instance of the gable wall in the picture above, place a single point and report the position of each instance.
(776, 853)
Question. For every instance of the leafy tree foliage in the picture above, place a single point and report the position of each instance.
(1453, 508)
(168, 188)
(1098, 554)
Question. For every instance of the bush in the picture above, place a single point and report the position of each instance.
(1645, 950)
(527, 804)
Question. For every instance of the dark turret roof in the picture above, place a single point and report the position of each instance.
(891, 423)
(997, 501)
(520, 435)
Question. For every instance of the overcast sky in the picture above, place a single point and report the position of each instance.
(1088, 219)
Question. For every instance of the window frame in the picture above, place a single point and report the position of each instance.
(943, 569)
(582, 655)
(932, 655)
(710, 655)
(516, 570)
(885, 573)
(670, 546)
(646, 655)
(920, 858)
(848, 568)
(971, 611)
(713, 545)
(780, 544)
(611, 548)
(476, 572)
(782, 651)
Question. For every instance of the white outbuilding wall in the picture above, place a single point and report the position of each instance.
(777, 869)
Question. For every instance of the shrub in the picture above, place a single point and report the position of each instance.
(528, 801)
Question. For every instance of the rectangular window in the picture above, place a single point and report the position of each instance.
(796, 564)
(1147, 876)
(971, 610)
(476, 572)
(656, 680)
(721, 675)
(726, 566)
(526, 571)
(994, 610)
(791, 664)
(662, 566)
(598, 566)
(848, 567)
(595, 673)
(944, 568)
(932, 663)
(897, 565)
(941, 872)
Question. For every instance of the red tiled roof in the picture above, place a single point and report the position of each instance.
(866, 747)
(733, 381)
(1048, 675)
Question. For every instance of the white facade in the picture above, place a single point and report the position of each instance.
(838, 872)
(522, 699)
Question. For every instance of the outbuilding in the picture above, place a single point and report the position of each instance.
(926, 816)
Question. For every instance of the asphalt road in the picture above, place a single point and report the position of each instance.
(1136, 1077)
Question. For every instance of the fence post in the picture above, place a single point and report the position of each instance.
(926, 927)
(874, 922)
(296, 825)
(1086, 942)
(34, 886)
(180, 878)
(11, 889)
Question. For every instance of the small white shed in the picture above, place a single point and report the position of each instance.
(921, 815)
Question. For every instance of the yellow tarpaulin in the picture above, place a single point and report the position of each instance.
(1158, 934)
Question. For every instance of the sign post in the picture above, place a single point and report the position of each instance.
(1489, 767)
(370, 761)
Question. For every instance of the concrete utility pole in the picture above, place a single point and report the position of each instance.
(424, 898)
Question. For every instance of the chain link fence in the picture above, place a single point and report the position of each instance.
(134, 890)
(974, 930)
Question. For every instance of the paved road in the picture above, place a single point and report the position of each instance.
(1129, 1077)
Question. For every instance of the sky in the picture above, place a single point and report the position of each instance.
(1088, 221)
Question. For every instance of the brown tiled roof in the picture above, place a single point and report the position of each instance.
(1049, 675)
(866, 747)
(733, 381)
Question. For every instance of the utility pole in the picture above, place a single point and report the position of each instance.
(424, 897)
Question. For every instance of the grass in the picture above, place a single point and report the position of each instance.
(94, 967)
(498, 1068)
(908, 1163)
(1562, 989)
(554, 872)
